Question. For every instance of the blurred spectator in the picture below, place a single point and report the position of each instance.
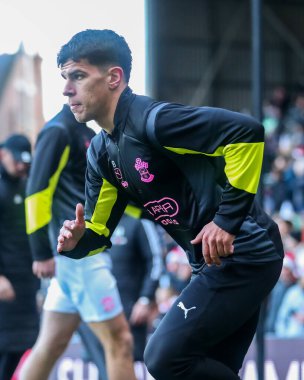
(287, 278)
(165, 297)
(277, 184)
(19, 318)
(297, 181)
(178, 268)
(274, 111)
(286, 228)
(290, 319)
(278, 103)
(294, 120)
(137, 265)
(176, 276)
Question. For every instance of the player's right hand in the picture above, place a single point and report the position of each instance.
(71, 231)
(216, 243)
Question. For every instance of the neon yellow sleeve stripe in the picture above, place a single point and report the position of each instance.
(96, 251)
(133, 211)
(218, 152)
(38, 206)
(243, 163)
(103, 208)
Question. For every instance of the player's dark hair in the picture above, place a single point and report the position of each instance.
(100, 48)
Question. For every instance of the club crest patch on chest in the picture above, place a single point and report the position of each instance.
(142, 168)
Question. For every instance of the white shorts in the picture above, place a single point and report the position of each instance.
(86, 287)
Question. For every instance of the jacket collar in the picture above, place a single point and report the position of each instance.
(122, 109)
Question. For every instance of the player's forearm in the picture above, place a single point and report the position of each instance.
(40, 245)
(90, 244)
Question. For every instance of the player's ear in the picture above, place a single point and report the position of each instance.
(116, 77)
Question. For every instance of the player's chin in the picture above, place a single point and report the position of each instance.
(80, 117)
(78, 113)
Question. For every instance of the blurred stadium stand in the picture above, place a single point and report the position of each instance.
(199, 51)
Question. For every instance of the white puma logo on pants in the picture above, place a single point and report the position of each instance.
(182, 306)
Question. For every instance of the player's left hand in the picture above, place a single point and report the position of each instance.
(215, 242)
(140, 314)
(71, 231)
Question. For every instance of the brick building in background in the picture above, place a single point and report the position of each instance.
(20, 94)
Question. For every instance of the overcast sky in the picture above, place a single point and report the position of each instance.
(45, 25)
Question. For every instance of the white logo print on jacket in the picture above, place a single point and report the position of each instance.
(182, 306)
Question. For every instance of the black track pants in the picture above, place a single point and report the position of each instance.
(208, 330)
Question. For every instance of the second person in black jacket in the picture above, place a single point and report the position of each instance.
(19, 317)
(79, 290)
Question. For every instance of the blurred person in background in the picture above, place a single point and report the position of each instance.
(294, 119)
(277, 184)
(174, 279)
(287, 279)
(79, 290)
(136, 254)
(274, 111)
(178, 268)
(288, 233)
(297, 180)
(19, 317)
(290, 318)
(196, 171)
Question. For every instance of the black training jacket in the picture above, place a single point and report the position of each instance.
(195, 165)
(56, 182)
(19, 319)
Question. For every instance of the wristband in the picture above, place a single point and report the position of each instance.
(143, 300)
